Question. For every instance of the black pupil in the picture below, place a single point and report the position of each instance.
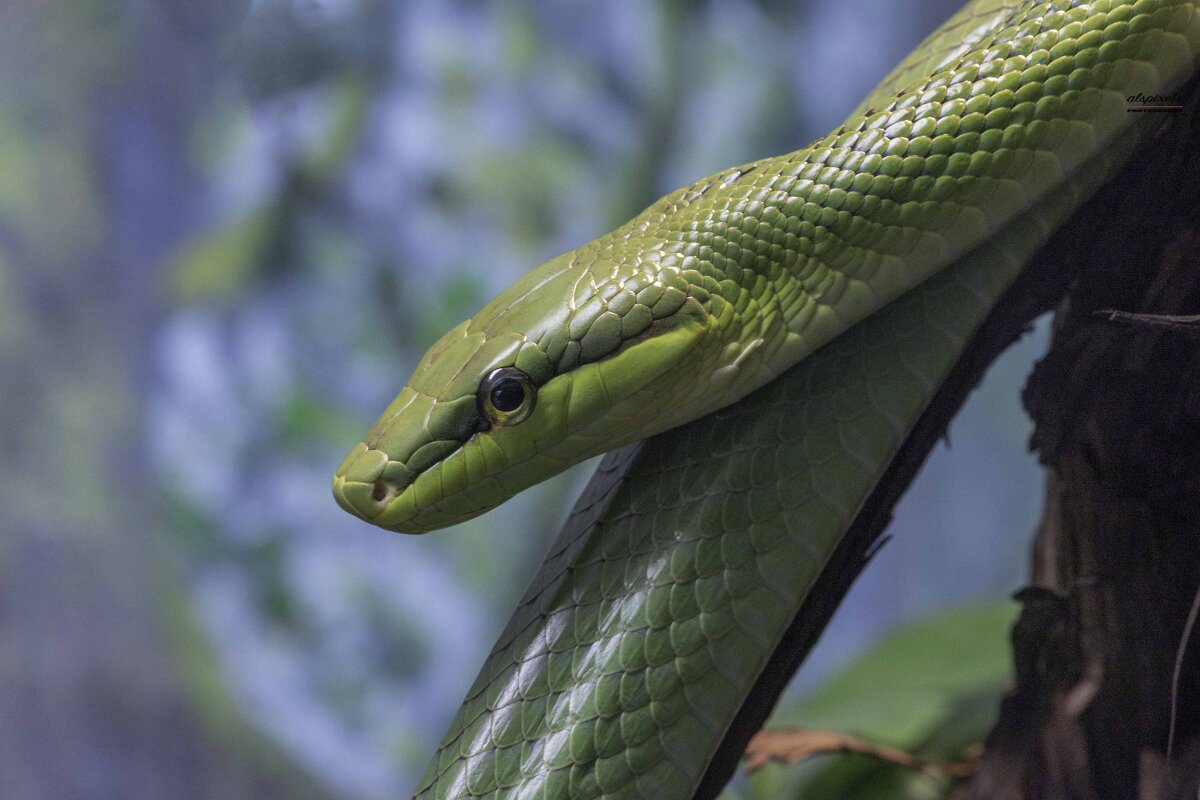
(507, 395)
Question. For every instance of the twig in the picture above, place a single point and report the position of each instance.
(1188, 324)
(792, 745)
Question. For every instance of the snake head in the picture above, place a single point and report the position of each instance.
(568, 363)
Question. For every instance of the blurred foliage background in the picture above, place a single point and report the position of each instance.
(229, 229)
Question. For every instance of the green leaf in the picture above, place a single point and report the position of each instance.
(904, 685)
(931, 688)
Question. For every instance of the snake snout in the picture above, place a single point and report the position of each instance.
(367, 481)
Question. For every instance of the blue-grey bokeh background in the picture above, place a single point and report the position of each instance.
(227, 232)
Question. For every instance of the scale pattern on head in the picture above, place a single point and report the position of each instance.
(436, 440)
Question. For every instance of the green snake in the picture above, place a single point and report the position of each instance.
(773, 331)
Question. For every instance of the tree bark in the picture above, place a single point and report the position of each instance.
(1116, 567)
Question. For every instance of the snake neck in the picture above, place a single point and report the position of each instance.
(722, 285)
(784, 254)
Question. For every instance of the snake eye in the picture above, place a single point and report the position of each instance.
(506, 396)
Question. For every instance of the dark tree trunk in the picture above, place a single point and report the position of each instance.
(1116, 566)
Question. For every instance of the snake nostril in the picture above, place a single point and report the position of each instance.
(380, 491)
